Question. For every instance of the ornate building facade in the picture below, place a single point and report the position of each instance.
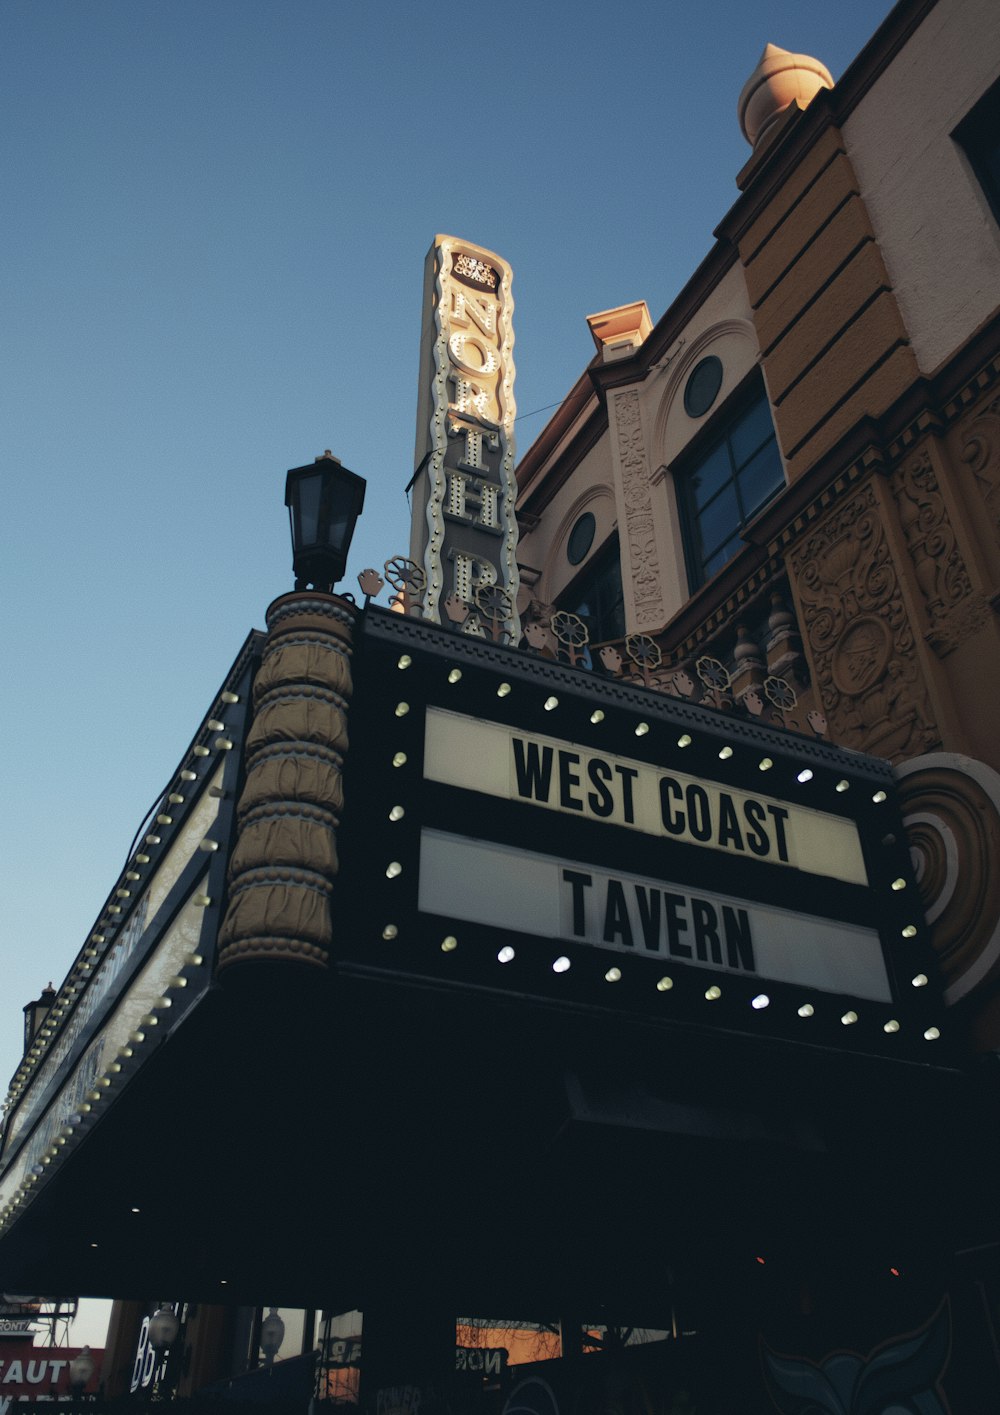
(789, 483)
(421, 998)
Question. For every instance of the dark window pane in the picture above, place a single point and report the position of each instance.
(722, 555)
(708, 476)
(597, 596)
(760, 478)
(718, 520)
(979, 134)
(750, 430)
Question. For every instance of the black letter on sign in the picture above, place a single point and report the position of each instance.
(534, 776)
(671, 788)
(600, 799)
(729, 826)
(648, 901)
(699, 813)
(676, 925)
(706, 930)
(779, 815)
(616, 919)
(578, 883)
(739, 948)
(756, 835)
(628, 775)
(568, 779)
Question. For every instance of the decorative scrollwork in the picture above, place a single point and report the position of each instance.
(570, 629)
(405, 575)
(712, 673)
(408, 580)
(572, 634)
(780, 692)
(371, 583)
(495, 605)
(643, 651)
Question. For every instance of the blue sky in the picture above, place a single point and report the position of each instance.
(216, 218)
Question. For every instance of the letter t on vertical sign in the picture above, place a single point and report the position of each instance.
(463, 532)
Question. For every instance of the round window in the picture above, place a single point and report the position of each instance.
(581, 538)
(703, 386)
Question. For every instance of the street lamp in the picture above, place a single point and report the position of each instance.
(81, 1368)
(324, 501)
(164, 1328)
(272, 1334)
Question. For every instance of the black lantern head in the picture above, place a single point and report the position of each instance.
(35, 1014)
(324, 502)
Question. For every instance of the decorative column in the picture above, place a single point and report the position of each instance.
(285, 859)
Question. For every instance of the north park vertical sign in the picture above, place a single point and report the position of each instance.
(464, 534)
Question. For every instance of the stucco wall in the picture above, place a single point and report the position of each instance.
(939, 239)
(588, 488)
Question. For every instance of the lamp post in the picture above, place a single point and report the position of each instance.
(81, 1368)
(324, 501)
(272, 1334)
(164, 1328)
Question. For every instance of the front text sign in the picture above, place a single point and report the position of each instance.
(563, 776)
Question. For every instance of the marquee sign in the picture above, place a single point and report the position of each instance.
(145, 963)
(536, 828)
(464, 534)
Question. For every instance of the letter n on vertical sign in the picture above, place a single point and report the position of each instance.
(463, 532)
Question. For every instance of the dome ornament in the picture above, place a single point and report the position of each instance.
(779, 80)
